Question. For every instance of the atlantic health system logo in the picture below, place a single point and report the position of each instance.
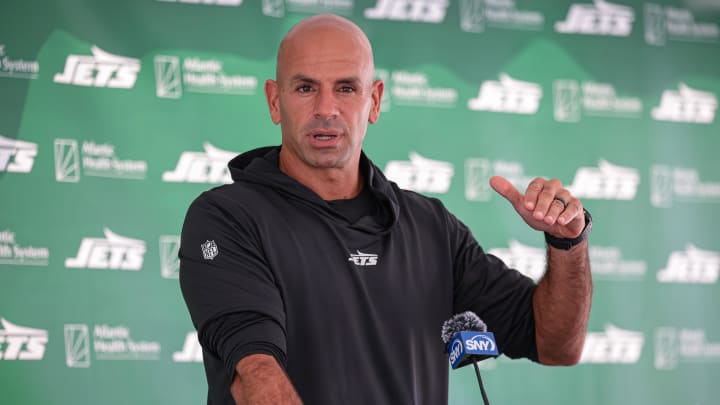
(682, 184)
(93, 159)
(102, 69)
(13, 253)
(106, 342)
(198, 75)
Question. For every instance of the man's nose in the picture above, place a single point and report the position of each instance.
(326, 104)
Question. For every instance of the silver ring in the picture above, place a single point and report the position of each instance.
(562, 200)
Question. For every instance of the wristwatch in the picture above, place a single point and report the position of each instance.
(567, 243)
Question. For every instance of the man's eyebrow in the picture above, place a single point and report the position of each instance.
(305, 79)
(302, 78)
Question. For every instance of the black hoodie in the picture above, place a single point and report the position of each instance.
(351, 309)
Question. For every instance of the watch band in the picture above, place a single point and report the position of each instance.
(567, 243)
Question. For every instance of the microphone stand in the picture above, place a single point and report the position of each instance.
(482, 387)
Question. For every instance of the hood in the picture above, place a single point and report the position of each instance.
(260, 167)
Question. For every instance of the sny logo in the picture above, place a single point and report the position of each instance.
(603, 18)
(508, 96)
(100, 70)
(427, 11)
(420, 174)
(480, 343)
(16, 156)
(363, 259)
(21, 343)
(114, 252)
(199, 167)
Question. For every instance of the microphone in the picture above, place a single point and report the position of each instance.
(467, 341)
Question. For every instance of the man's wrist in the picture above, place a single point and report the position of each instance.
(568, 243)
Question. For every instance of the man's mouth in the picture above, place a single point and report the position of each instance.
(323, 137)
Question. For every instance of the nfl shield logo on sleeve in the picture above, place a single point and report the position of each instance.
(209, 249)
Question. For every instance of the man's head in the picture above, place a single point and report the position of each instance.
(324, 94)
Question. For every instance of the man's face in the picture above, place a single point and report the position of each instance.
(324, 97)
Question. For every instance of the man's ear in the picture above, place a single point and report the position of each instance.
(377, 91)
(271, 94)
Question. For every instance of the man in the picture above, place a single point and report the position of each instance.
(312, 278)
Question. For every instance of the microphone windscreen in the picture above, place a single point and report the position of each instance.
(465, 321)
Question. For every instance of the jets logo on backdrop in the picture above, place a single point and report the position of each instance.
(113, 252)
(507, 96)
(692, 265)
(673, 346)
(191, 351)
(424, 11)
(475, 15)
(686, 105)
(605, 182)
(672, 23)
(278, 8)
(102, 69)
(600, 18)
(17, 156)
(615, 345)
(202, 167)
(12, 252)
(363, 259)
(528, 260)
(420, 174)
(105, 342)
(17, 68)
(21, 342)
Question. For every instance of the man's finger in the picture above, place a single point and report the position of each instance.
(503, 187)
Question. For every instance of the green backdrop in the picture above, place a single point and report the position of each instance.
(115, 115)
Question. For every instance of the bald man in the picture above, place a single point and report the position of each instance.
(313, 278)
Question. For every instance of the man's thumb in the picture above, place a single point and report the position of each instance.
(503, 187)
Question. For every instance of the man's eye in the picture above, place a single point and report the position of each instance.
(304, 88)
(347, 89)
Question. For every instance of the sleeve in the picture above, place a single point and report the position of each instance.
(500, 296)
(230, 292)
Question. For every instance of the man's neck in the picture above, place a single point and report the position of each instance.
(328, 183)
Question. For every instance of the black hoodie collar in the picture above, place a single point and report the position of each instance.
(260, 166)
